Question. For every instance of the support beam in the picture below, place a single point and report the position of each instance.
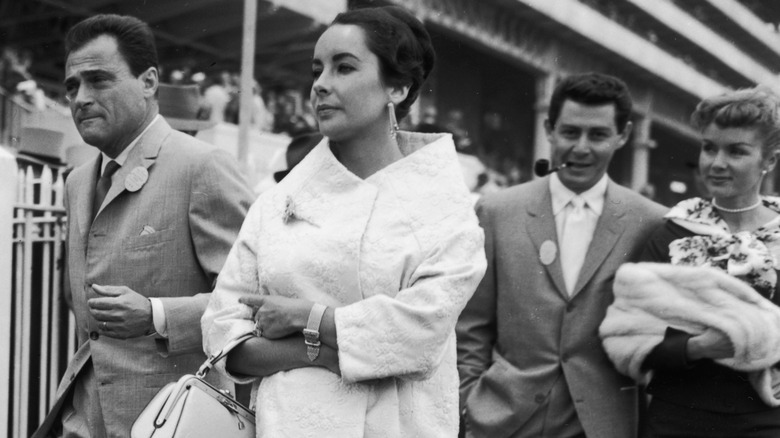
(640, 153)
(545, 85)
(626, 45)
(751, 24)
(679, 21)
(247, 80)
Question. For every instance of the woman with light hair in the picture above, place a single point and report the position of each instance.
(705, 330)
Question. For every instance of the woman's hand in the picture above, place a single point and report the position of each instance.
(712, 344)
(276, 316)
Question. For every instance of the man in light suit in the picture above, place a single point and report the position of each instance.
(529, 355)
(150, 223)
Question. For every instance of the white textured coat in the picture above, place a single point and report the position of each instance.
(397, 254)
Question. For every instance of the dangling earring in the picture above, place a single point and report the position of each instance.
(393, 122)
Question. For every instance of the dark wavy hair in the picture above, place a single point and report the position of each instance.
(757, 108)
(401, 43)
(134, 39)
(592, 89)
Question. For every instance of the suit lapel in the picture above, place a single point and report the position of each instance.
(608, 230)
(83, 206)
(142, 155)
(541, 228)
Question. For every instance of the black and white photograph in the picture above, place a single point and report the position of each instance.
(389, 218)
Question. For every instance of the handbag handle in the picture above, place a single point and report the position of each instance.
(212, 360)
(179, 388)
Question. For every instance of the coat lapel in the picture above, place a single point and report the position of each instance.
(83, 206)
(541, 228)
(143, 155)
(608, 230)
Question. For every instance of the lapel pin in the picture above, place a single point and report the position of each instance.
(136, 179)
(547, 252)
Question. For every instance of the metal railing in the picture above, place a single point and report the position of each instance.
(37, 329)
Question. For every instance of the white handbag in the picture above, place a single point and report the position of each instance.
(192, 408)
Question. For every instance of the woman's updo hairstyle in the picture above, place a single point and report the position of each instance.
(757, 107)
(402, 45)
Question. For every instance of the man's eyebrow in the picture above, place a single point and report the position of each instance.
(89, 74)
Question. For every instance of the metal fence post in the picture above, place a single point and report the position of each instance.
(7, 200)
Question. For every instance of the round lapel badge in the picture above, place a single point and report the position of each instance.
(547, 252)
(136, 179)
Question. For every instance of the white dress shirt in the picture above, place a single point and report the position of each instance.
(562, 207)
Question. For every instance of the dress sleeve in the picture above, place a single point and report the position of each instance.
(225, 318)
(657, 247)
(407, 335)
(671, 353)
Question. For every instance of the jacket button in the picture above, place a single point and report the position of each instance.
(94, 336)
(539, 398)
(570, 307)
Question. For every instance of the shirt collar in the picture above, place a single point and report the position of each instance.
(561, 195)
(122, 157)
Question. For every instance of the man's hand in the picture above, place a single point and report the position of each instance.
(276, 316)
(121, 312)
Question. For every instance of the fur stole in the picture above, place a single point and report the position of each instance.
(649, 297)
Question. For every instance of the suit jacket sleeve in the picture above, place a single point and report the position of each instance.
(219, 200)
(476, 327)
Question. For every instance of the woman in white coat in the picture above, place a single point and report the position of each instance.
(353, 270)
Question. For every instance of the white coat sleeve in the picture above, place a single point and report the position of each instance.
(406, 335)
(225, 318)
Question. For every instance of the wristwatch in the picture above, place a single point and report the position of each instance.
(311, 334)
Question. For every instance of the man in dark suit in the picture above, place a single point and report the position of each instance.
(529, 356)
(150, 222)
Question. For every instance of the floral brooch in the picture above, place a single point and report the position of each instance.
(289, 210)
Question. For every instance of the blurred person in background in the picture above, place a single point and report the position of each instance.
(262, 119)
(217, 96)
(353, 269)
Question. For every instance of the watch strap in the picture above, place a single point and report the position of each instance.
(311, 334)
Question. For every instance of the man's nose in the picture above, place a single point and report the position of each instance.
(582, 143)
(83, 97)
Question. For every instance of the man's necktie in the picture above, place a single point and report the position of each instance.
(103, 184)
(576, 239)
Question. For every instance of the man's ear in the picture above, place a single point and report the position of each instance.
(624, 136)
(150, 80)
(548, 129)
